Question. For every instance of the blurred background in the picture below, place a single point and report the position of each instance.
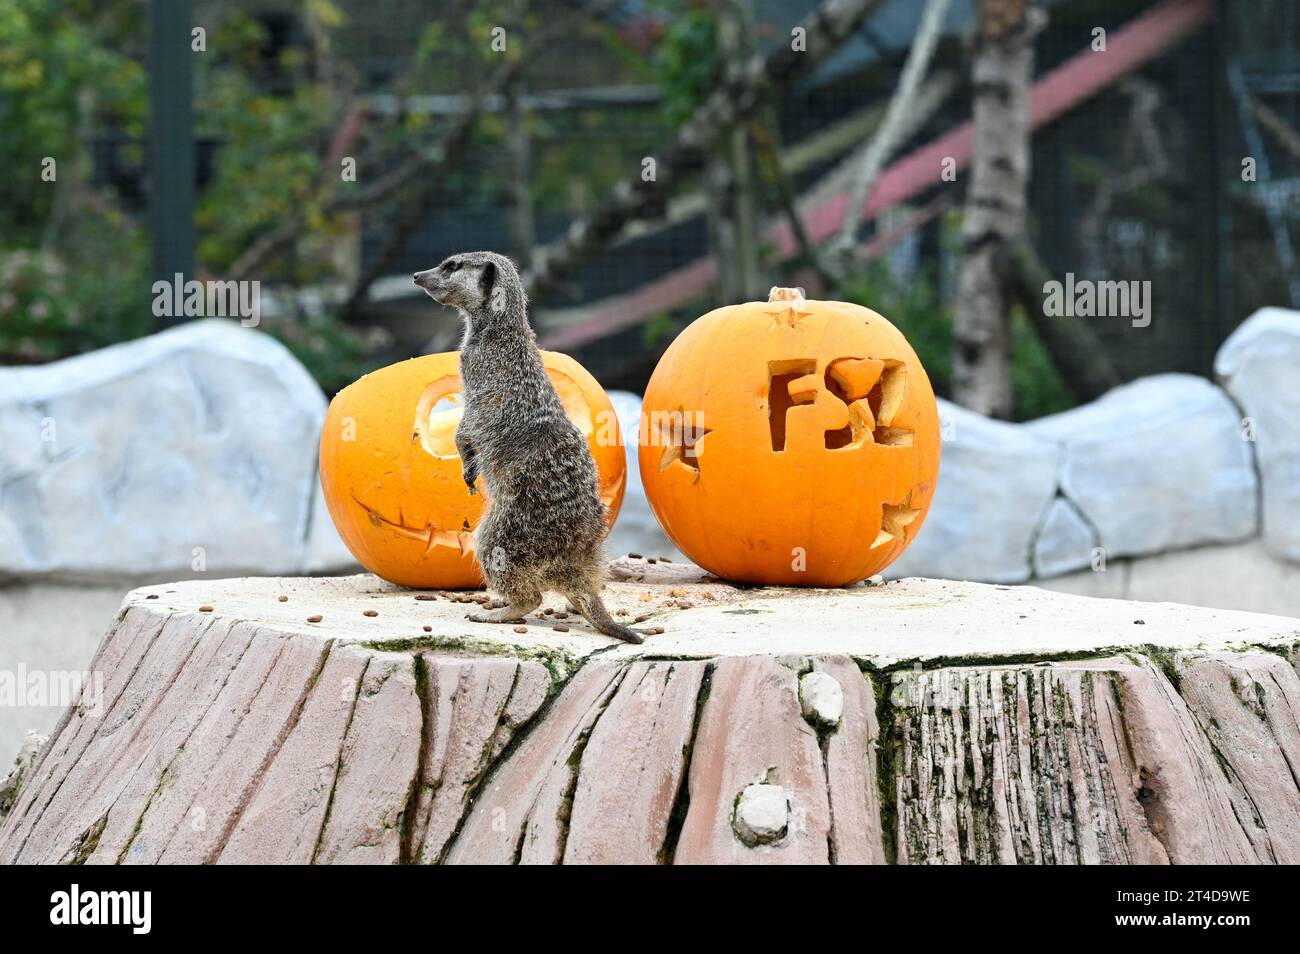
(461, 139)
(644, 161)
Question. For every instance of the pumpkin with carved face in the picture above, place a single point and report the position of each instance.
(790, 442)
(392, 478)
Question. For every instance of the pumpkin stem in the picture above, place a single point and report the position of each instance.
(785, 294)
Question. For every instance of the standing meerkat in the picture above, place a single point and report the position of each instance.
(545, 522)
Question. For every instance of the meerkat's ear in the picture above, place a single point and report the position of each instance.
(487, 280)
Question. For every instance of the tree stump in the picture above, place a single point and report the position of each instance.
(921, 721)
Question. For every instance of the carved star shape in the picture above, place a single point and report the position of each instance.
(788, 313)
(894, 520)
(679, 437)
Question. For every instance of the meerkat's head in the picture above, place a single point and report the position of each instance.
(485, 286)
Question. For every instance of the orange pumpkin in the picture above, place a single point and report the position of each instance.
(790, 442)
(392, 477)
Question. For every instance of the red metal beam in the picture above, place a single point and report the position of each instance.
(1077, 79)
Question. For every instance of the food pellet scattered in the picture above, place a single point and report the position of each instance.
(634, 556)
(548, 611)
(651, 560)
(205, 609)
(315, 618)
(560, 628)
(521, 629)
(370, 613)
(425, 597)
(283, 599)
(642, 618)
(664, 559)
(152, 596)
(559, 615)
(428, 629)
(654, 630)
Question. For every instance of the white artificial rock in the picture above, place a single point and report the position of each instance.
(636, 530)
(1259, 365)
(1158, 464)
(821, 699)
(325, 550)
(762, 814)
(1065, 541)
(189, 451)
(995, 482)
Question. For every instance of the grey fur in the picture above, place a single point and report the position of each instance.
(545, 522)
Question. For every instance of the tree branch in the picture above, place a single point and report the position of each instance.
(1078, 354)
(738, 100)
(1279, 127)
(888, 136)
(769, 157)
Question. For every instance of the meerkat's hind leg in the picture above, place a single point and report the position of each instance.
(518, 606)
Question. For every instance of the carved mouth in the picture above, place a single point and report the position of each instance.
(429, 535)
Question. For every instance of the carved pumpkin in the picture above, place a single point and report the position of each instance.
(790, 442)
(392, 477)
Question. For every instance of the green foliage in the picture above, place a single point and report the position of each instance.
(60, 80)
(915, 308)
(686, 60)
(49, 309)
(270, 156)
(72, 264)
(1038, 387)
(660, 330)
(334, 353)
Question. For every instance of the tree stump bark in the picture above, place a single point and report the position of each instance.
(915, 722)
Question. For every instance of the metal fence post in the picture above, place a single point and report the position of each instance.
(171, 142)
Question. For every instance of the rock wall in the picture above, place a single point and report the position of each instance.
(189, 451)
(1259, 366)
(133, 461)
(1165, 464)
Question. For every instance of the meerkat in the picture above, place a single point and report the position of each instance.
(544, 527)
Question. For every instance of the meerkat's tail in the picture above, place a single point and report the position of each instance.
(593, 610)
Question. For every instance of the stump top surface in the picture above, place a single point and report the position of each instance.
(900, 621)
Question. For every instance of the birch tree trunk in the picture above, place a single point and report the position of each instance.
(995, 205)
